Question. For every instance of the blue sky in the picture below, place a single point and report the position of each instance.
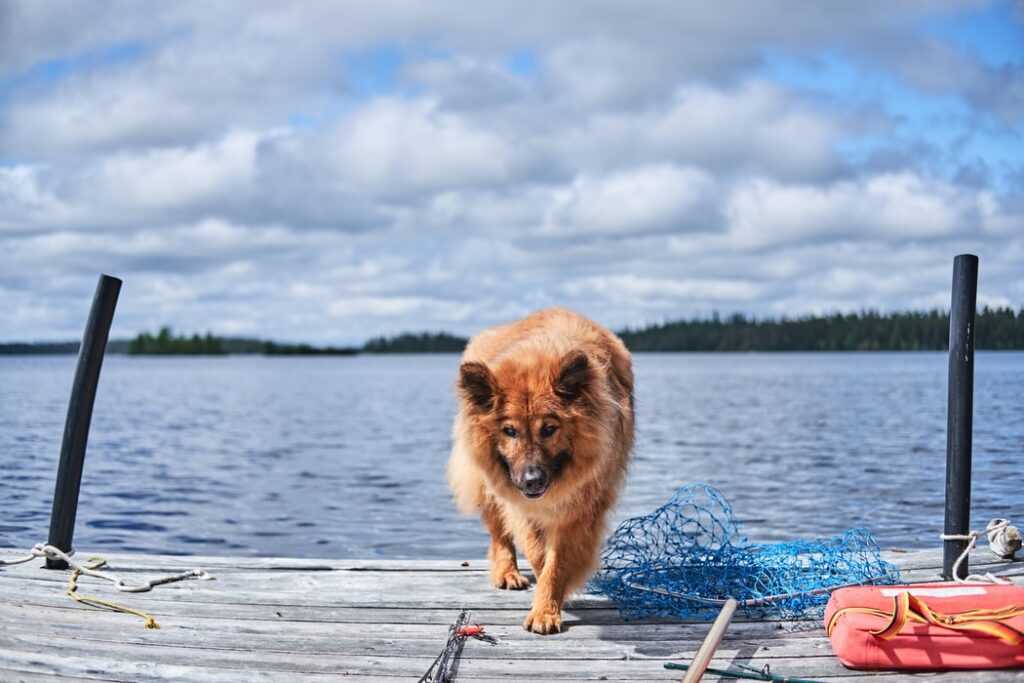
(957, 131)
(992, 32)
(330, 172)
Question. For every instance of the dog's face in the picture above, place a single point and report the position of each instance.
(528, 411)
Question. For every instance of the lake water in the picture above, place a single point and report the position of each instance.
(344, 457)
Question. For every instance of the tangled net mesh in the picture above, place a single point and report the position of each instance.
(688, 556)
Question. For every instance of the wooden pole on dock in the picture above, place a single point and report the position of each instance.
(76, 426)
(710, 645)
(960, 411)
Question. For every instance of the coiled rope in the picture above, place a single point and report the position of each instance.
(1003, 540)
(91, 568)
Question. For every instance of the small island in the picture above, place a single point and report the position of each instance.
(274, 349)
(166, 344)
(425, 342)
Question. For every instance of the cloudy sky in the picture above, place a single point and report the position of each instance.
(330, 171)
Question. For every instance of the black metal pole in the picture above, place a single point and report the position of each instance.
(76, 426)
(960, 410)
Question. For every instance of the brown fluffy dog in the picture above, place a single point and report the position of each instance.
(540, 448)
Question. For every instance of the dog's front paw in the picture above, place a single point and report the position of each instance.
(544, 620)
(511, 580)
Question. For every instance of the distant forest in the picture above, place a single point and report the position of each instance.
(426, 342)
(165, 343)
(999, 328)
(996, 329)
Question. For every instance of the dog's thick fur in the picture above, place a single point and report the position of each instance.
(545, 403)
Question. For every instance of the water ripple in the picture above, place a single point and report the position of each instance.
(314, 457)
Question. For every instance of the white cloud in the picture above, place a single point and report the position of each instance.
(24, 198)
(603, 70)
(633, 201)
(469, 83)
(621, 289)
(393, 147)
(130, 189)
(328, 172)
(755, 127)
(167, 179)
(890, 207)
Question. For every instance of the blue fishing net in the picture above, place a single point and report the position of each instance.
(685, 558)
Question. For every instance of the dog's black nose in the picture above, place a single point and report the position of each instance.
(534, 481)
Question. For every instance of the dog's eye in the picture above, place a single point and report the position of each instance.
(509, 432)
(548, 430)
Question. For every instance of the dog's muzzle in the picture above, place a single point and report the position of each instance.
(534, 482)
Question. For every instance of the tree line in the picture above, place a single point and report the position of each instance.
(425, 342)
(995, 328)
(166, 343)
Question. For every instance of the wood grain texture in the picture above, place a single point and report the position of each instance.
(281, 619)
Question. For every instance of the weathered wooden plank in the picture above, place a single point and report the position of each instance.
(981, 560)
(334, 590)
(132, 565)
(330, 600)
(116, 625)
(1013, 571)
(123, 651)
(100, 666)
(288, 619)
(324, 596)
(362, 593)
(124, 562)
(378, 617)
(179, 562)
(372, 588)
(913, 559)
(286, 580)
(373, 668)
(13, 676)
(331, 607)
(153, 656)
(512, 642)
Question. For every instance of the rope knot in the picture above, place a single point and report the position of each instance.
(1003, 538)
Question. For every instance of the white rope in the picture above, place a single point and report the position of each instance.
(22, 560)
(53, 553)
(1003, 540)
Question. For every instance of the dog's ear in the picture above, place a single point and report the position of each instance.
(573, 377)
(477, 384)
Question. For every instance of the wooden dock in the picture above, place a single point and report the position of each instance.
(320, 620)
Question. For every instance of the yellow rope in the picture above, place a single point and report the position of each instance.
(96, 563)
